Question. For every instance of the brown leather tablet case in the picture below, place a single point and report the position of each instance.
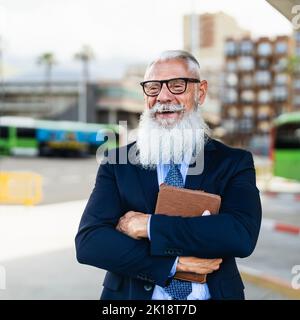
(183, 202)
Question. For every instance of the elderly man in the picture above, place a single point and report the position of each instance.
(141, 251)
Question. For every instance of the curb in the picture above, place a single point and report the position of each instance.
(275, 284)
(276, 194)
(274, 225)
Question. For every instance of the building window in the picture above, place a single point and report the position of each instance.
(296, 100)
(233, 112)
(281, 47)
(264, 96)
(246, 125)
(297, 84)
(246, 63)
(280, 93)
(247, 80)
(264, 126)
(263, 63)
(247, 96)
(230, 48)
(231, 96)
(231, 79)
(281, 79)
(263, 78)
(248, 112)
(230, 125)
(264, 112)
(246, 47)
(264, 49)
(231, 65)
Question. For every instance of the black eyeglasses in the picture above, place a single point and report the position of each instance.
(152, 88)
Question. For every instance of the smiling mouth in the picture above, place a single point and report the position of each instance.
(168, 111)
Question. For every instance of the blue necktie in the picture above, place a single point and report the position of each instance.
(177, 289)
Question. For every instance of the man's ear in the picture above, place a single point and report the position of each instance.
(202, 91)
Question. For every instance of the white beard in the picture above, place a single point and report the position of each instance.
(165, 142)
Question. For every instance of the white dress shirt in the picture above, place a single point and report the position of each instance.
(199, 291)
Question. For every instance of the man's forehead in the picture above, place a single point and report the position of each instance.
(167, 69)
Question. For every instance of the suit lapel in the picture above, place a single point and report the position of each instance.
(197, 182)
(149, 185)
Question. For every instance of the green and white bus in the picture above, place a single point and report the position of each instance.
(27, 136)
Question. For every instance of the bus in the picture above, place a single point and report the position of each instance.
(32, 137)
(286, 146)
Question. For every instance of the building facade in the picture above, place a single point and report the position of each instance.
(257, 88)
(204, 36)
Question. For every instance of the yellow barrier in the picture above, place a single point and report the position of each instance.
(264, 171)
(20, 188)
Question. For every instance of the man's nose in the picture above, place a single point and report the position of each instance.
(165, 95)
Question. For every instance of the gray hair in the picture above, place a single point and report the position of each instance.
(188, 58)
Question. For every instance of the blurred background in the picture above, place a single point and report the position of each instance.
(68, 70)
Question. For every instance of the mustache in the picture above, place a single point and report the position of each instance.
(160, 108)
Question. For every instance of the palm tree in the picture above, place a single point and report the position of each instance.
(85, 55)
(48, 60)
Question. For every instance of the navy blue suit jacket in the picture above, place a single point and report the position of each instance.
(135, 266)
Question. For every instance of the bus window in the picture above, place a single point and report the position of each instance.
(26, 133)
(3, 132)
(288, 136)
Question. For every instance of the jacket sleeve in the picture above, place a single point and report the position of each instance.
(231, 233)
(99, 244)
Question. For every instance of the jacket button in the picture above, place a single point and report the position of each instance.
(147, 287)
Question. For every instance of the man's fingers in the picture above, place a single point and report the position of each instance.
(198, 270)
(198, 261)
(129, 214)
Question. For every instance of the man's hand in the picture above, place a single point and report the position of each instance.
(198, 265)
(134, 224)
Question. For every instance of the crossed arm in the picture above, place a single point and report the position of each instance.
(135, 225)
